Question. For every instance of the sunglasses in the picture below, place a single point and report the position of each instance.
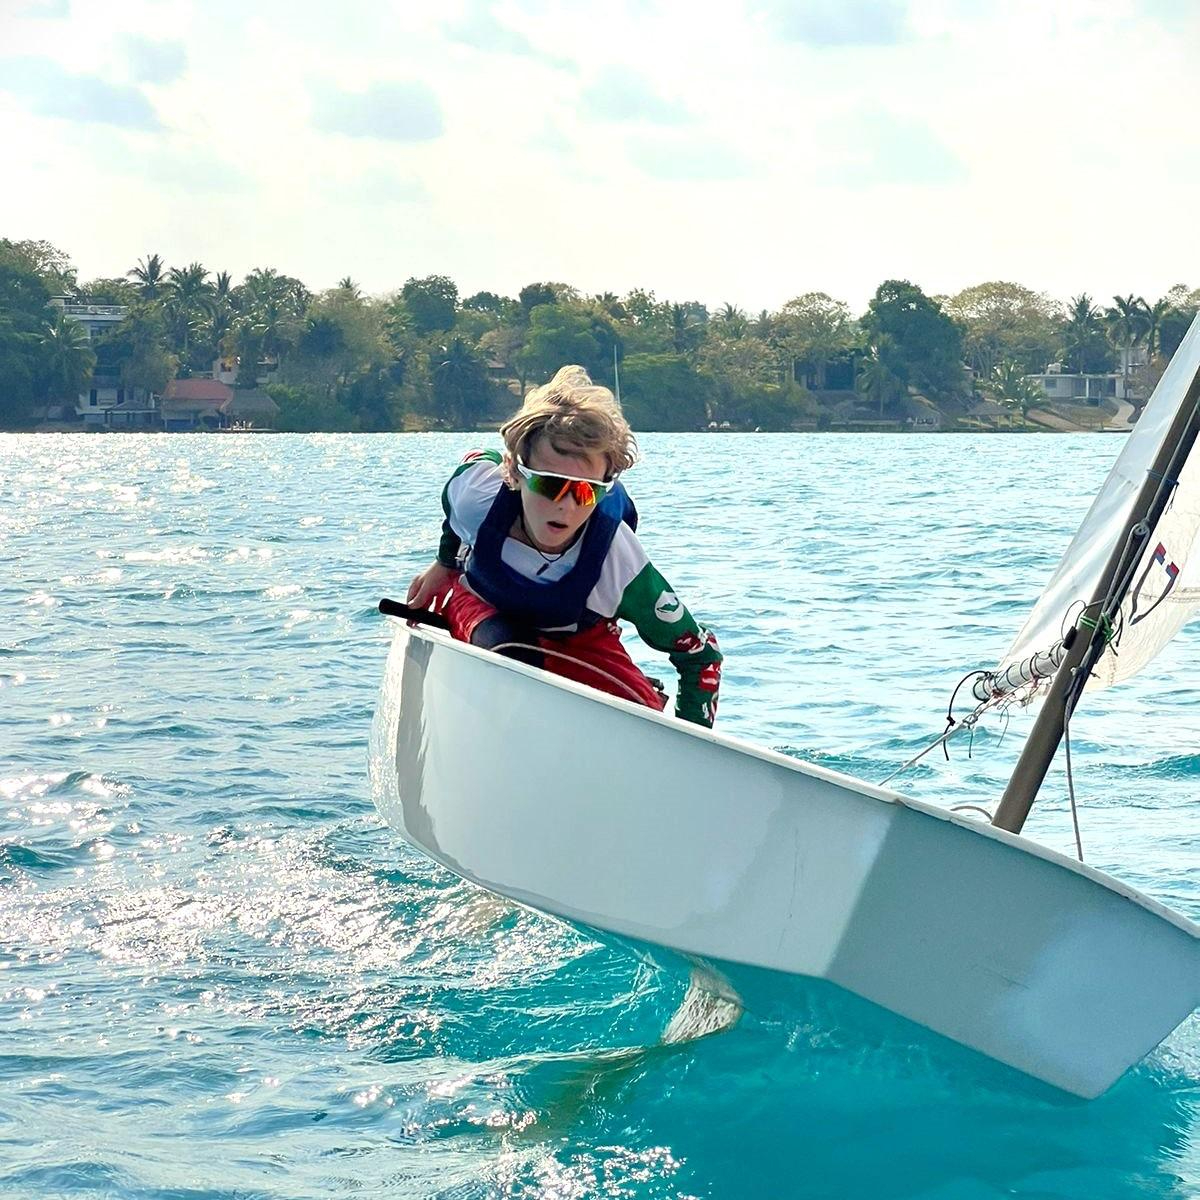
(554, 487)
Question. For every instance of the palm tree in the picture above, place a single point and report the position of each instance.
(346, 284)
(877, 379)
(1127, 325)
(68, 357)
(223, 287)
(1008, 385)
(460, 384)
(732, 321)
(149, 274)
(1154, 314)
(190, 286)
(1082, 327)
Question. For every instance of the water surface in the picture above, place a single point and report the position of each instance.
(223, 977)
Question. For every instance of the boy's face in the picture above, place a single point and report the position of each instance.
(552, 524)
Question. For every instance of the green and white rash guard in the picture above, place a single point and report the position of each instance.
(630, 588)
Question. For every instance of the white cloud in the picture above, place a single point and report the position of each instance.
(713, 153)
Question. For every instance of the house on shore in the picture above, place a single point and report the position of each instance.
(196, 406)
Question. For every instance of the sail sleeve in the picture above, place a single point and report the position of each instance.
(1165, 590)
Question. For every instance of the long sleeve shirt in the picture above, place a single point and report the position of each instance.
(630, 587)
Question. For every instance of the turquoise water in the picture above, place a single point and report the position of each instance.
(222, 977)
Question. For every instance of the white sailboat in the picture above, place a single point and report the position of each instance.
(761, 868)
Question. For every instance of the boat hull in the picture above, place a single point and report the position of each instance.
(639, 825)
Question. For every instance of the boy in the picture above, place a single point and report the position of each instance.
(539, 558)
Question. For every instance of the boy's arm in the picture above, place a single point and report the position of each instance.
(662, 621)
(450, 545)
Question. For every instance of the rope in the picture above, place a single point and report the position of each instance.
(971, 808)
(579, 662)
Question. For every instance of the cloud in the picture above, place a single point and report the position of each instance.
(376, 186)
(480, 30)
(689, 158)
(50, 91)
(397, 112)
(155, 62)
(832, 23)
(619, 94)
(44, 10)
(881, 149)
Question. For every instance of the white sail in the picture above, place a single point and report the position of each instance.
(1166, 583)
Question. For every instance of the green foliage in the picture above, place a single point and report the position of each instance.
(149, 276)
(663, 391)
(534, 294)
(24, 315)
(1007, 385)
(769, 406)
(50, 264)
(881, 378)
(1004, 322)
(487, 302)
(306, 410)
(140, 348)
(462, 391)
(107, 291)
(812, 330)
(560, 334)
(926, 344)
(431, 303)
(1084, 345)
(68, 359)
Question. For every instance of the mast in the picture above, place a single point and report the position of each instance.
(616, 373)
(1084, 651)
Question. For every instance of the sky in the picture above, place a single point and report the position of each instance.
(745, 151)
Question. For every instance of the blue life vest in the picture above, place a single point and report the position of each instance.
(557, 603)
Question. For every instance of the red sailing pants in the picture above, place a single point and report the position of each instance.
(596, 656)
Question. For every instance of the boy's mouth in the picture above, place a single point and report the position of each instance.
(556, 525)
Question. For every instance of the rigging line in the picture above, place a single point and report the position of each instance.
(1071, 788)
(965, 723)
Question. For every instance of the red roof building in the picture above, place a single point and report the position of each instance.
(196, 404)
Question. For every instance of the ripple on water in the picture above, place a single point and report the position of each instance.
(220, 976)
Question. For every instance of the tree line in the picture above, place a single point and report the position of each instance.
(424, 356)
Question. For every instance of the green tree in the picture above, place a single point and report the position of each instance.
(1006, 322)
(1084, 344)
(139, 350)
(926, 343)
(488, 302)
(1007, 385)
(812, 330)
(880, 378)
(50, 264)
(461, 389)
(303, 410)
(561, 334)
(149, 276)
(1127, 326)
(68, 360)
(1155, 314)
(663, 391)
(108, 291)
(687, 323)
(431, 303)
(532, 295)
(24, 314)
(732, 322)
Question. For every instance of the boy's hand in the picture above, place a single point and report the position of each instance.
(432, 587)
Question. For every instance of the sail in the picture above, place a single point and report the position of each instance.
(1165, 590)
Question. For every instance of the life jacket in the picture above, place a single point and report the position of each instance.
(545, 605)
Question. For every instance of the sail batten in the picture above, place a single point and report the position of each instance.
(1164, 588)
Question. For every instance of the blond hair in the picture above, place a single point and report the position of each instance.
(576, 416)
